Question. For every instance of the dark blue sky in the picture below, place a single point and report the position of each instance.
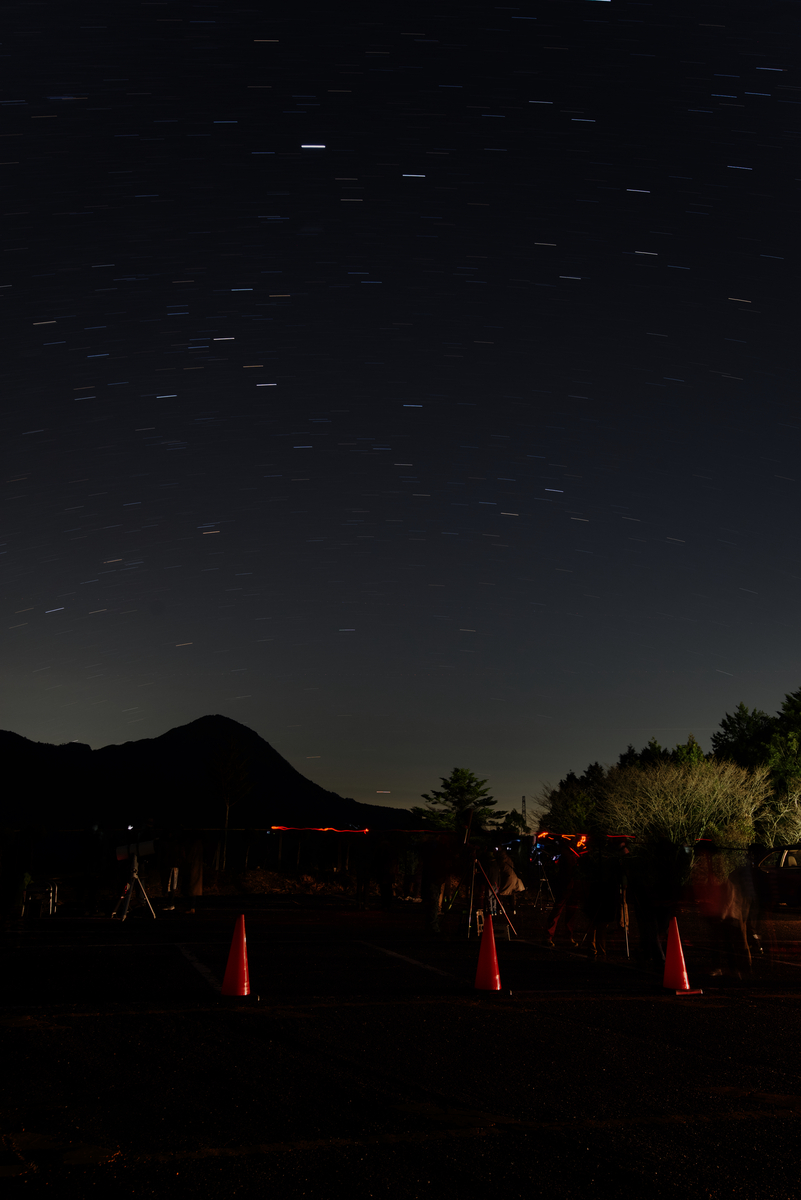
(418, 392)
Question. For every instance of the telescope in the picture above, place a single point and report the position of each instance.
(134, 889)
(139, 849)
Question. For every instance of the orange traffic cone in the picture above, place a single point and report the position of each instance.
(237, 980)
(675, 970)
(488, 978)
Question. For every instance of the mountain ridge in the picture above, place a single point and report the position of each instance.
(182, 776)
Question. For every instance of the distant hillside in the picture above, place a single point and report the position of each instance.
(181, 776)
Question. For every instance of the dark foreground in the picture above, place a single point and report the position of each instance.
(370, 1067)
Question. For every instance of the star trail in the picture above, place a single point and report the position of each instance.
(480, 332)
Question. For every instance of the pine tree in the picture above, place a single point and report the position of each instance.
(461, 793)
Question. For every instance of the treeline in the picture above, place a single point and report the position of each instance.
(746, 791)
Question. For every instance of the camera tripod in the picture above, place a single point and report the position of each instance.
(134, 885)
(544, 891)
(478, 912)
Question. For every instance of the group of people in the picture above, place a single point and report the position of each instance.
(434, 870)
(449, 866)
(590, 877)
(600, 879)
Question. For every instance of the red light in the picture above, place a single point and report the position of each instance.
(314, 829)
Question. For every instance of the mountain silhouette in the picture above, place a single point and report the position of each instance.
(183, 777)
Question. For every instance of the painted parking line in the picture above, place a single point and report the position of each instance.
(210, 978)
(414, 962)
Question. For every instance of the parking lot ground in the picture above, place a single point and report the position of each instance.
(370, 1065)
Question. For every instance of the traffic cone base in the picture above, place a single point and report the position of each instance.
(488, 977)
(676, 977)
(236, 981)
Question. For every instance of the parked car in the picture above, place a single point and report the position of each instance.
(779, 877)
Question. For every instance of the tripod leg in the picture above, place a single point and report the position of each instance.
(125, 901)
(145, 896)
(470, 911)
(127, 897)
(455, 894)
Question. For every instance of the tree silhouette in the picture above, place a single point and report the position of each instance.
(231, 780)
(462, 793)
(744, 735)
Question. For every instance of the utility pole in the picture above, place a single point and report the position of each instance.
(523, 811)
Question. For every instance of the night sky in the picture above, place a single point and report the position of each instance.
(416, 385)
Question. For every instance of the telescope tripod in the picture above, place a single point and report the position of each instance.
(134, 886)
(544, 890)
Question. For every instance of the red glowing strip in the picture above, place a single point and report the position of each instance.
(315, 829)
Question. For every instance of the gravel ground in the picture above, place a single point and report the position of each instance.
(370, 1065)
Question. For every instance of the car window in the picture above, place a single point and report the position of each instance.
(771, 862)
(791, 860)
